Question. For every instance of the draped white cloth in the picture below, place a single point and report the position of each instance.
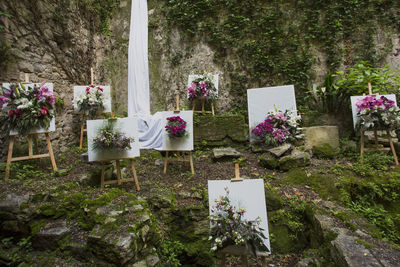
(150, 127)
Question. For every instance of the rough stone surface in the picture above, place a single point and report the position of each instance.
(318, 135)
(12, 203)
(220, 130)
(294, 160)
(50, 234)
(225, 153)
(347, 252)
(280, 150)
(113, 246)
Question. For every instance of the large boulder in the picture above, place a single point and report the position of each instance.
(295, 160)
(319, 135)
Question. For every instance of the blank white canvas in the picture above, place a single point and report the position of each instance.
(52, 126)
(262, 100)
(178, 144)
(128, 126)
(193, 77)
(248, 194)
(81, 90)
(354, 108)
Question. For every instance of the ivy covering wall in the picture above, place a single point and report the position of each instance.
(266, 43)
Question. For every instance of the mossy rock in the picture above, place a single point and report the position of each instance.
(268, 161)
(273, 200)
(295, 160)
(323, 151)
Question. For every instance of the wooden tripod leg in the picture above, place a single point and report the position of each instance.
(264, 261)
(194, 105)
(212, 108)
(376, 139)
(9, 157)
(82, 129)
(244, 261)
(362, 145)
(53, 161)
(102, 175)
(30, 149)
(118, 171)
(223, 259)
(134, 175)
(191, 162)
(165, 162)
(35, 143)
(392, 148)
(202, 105)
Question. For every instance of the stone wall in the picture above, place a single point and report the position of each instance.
(57, 42)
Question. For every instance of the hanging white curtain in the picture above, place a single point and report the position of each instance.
(150, 127)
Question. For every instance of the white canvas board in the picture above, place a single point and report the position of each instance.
(128, 126)
(52, 126)
(248, 194)
(80, 91)
(260, 101)
(178, 144)
(192, 77)
(354, 109)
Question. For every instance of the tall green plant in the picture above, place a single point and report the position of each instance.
(354, 80)
(334, 95)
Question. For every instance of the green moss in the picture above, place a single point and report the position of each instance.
(323, 151)
(273, 200)
(324, 184)
(268, 161)
(36, 225)
(365, 243)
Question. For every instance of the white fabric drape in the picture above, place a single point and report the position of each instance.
(150, 127)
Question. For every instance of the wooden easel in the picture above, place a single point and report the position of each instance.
(376, 137)
(180, 154)
(203, 107)
(32, 138)
(237, 250)
(83, 117)
(119, 180)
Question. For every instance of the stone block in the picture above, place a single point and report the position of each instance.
(225, 153)
(319, 135)
(219, 130)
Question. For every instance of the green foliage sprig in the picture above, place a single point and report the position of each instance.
(109, 137)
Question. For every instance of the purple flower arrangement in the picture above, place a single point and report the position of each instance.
(202, 87)
(176, 127)
(228, 227)
(279, 127)
(24, 109)
(377, 113)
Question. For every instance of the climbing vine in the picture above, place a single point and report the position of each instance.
(271, 42)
